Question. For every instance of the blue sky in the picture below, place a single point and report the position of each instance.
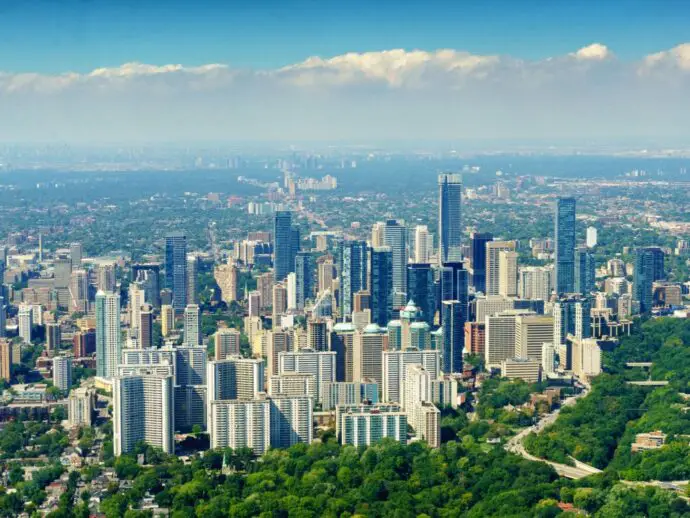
(357, 70)
(52, 36)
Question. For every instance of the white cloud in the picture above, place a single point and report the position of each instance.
(386, 94)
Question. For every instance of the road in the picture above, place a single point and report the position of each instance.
(515, 444)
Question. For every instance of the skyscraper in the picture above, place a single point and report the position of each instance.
(108, 339)
(421, 289)
(147, 276)
(564, 221)
(493, 268)
(25, 321)
(62, 372)
(227, 343)
(507, 273)
(395, 238)
(394, 365)
(167, 320)
(291, 420)
(453, 280)
(192, 279)
(450, 218)
(143, 410)
(320, 364)
(286, 244)
(352, 268)
(6, 360)
(649, 267)
(306, 277)
(381, 285)
(584, 271)
(422, 244)
(192, 325)
(477, 268)
(453, 325)
(176, 269)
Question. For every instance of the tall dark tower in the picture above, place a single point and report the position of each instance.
(450, 218)
(176, 268)
(564, 221)
(286, 244)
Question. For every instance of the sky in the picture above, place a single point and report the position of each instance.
(126, 70)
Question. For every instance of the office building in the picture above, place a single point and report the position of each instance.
(450, 218)
(420, 336)
(394, 370)
(453, 326)
(585, 278)
(167, 320)
(235, 378)
(190, 407)
(192, 279)
(143, 410)
(227, 343)
(278, 341)
(108, 337)
(305, 278)
(76, 254)
(381, 285)
(571, 316)
(422, 245)
(286, 245)
(291, 420)
(105, 278)
(319, 364)
(364, 425)
(500, 336)
(176, 269)
(493, 271)
(62, 372)
(25, 321)
(147, 276)
(326, 274)
(520, 368)
(531, 333)
(507, 273)
(564, 223)
(477, 269)
(421, 290)
(240, 424)
(444, 391)
(367, 348)
(348, 393)
(192, 325)
(79, 291)
(395, 238)
(145, 327)
(648, 267)
(80, 407)
(62, 268)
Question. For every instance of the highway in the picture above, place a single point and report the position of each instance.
(515, 444)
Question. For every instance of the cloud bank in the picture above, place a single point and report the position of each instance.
(391, 94)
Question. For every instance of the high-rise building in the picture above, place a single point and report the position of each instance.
(477, 269)
(422, 244)
(254, 304)
(381, 285)
(235, 378)
(53, 337)
(192, 279)
(348, 393)
(326, 273)
(648, 267)
(378, 234)
(317, 335)
(108, 338)
(6, 350)
(192, 325)
(535, 282)
(306, 277)
(143, 410)
(80, 407)
(286, 244)
(367, 347)
(585, 278)
(264, 285)
(227, 343)
(475, 337)
(525, 369)
(147, 276)
(421, 290)
(450, 218)
(394, 371)
(571, 316)
(190, 365)
(353, 270)
(319, 364)
(507, 273)
(395, 237)
(62, 372)
(453, 325)
(84, 343)
(342, 343)
(591, 237)
(366, 424)
(226, 278)
(76, 253)
(280, 303)
(62, 271)
(291, 420)
(79, 291)
(493, 271)
(3, 310)
(290, 284)
(423, 416)
(564, 222)
(531, 333)
(500, 336)
(26, 322)
(137, 299)
(105, 277)
(176, 269)
(145, 327)
(240, 424)
(292, 384)
(167, 320)
(420, 336)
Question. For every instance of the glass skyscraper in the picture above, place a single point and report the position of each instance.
(421, 289)
(649, 267)
(450, 218)
(286, 245)
(584, 271)
(565, 245)
(478, 259)
(381, 285)
(306, 277)
(395, 237)
(176, 269)
(353, 271)
(453, 336)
